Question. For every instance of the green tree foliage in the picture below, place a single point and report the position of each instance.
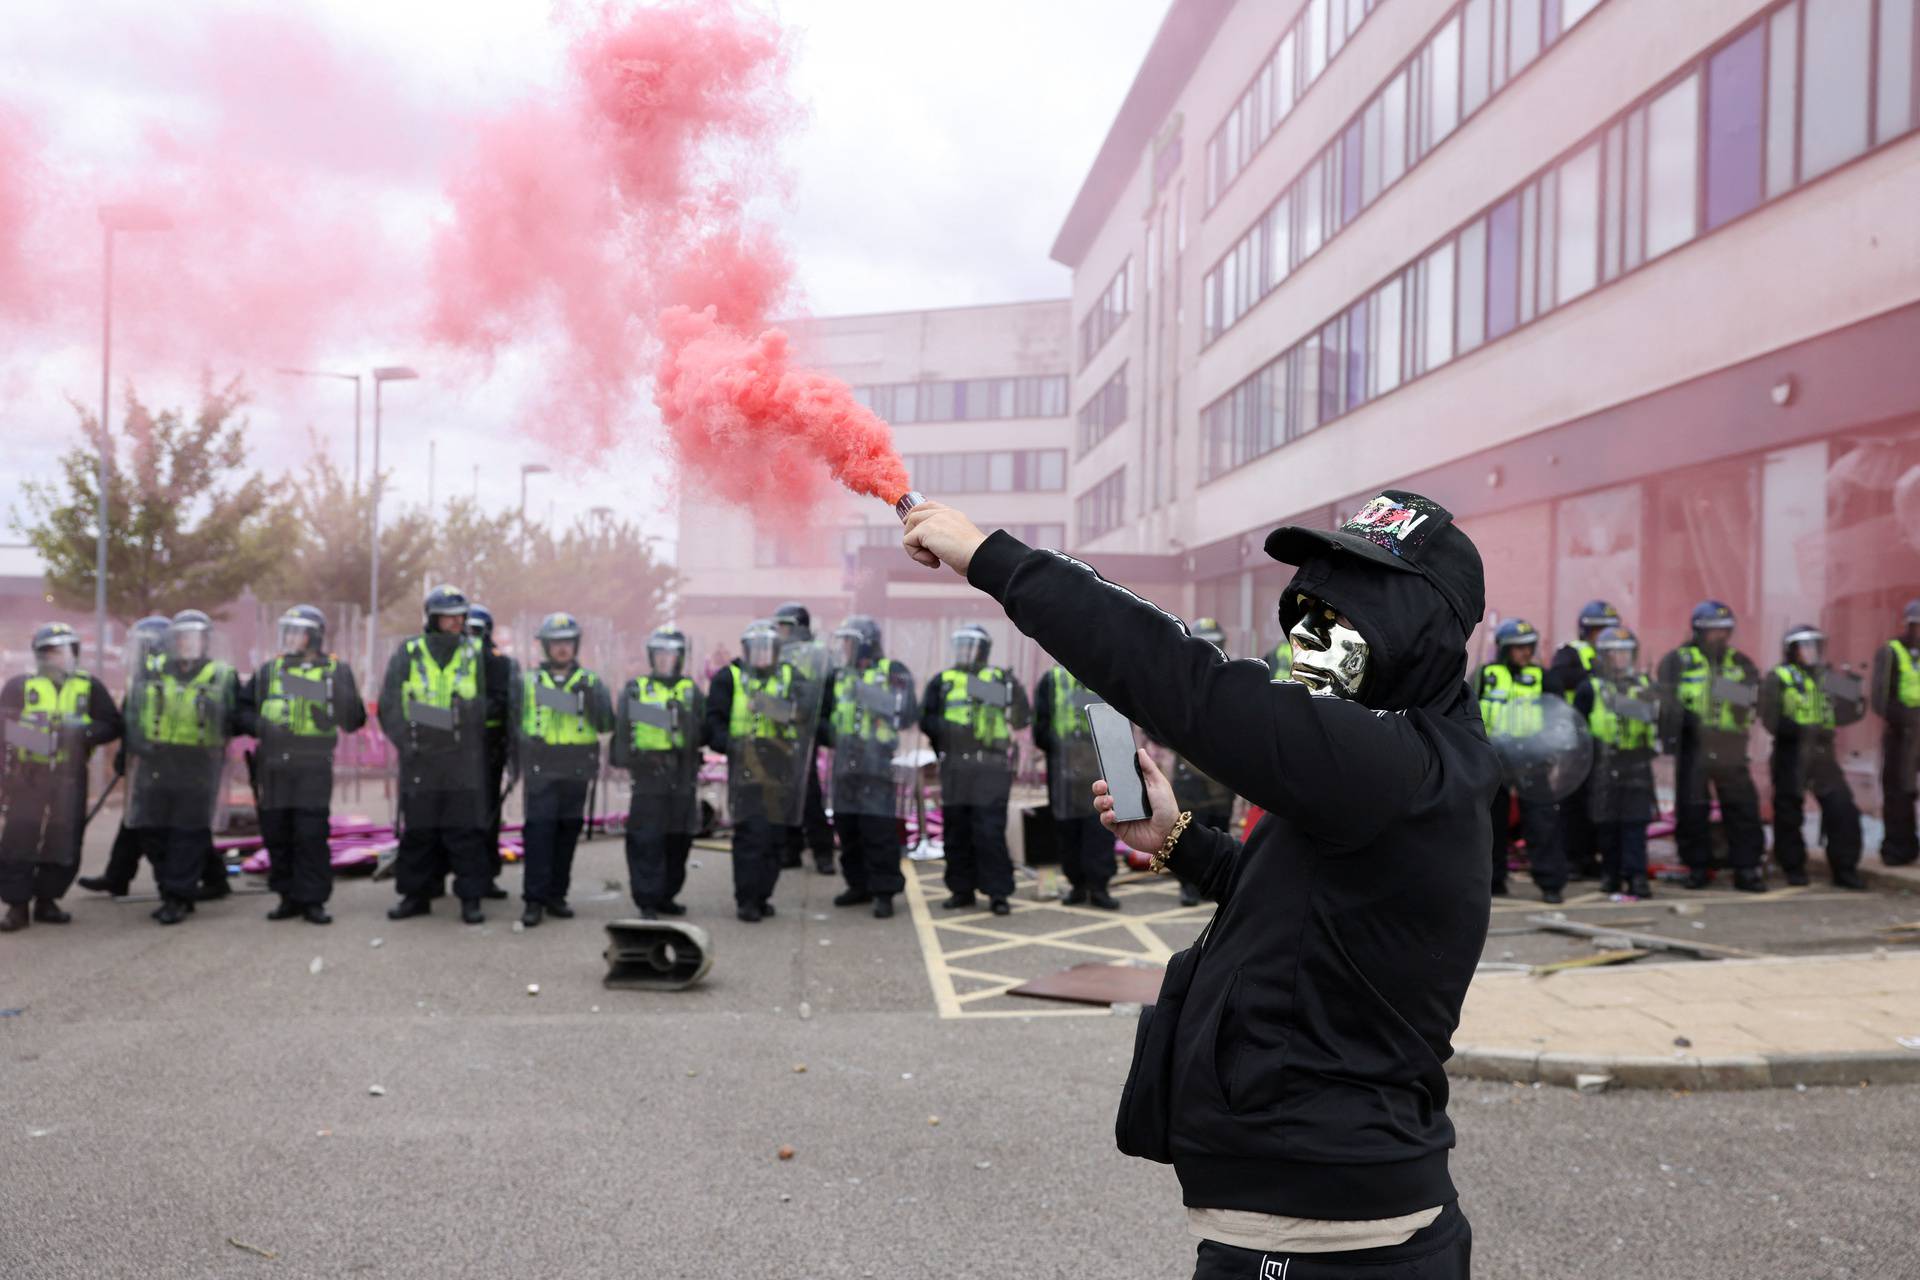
(188, 526)
(327, 561)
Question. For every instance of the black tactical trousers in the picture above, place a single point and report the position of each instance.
(1540, 828)
(1725, 770)
(870, 853)
(656, 857)
(1623, 849)
(302, 865)
(1579, 841)
(442, 829)
(40, 844)
(1086, 852)
(556, 812)
(1899, 763)
(815, 832)
(123, 860)
(758, 846)
(1796, 769)
(976, 849)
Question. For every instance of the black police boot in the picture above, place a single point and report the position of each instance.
(1552, 897)
(958, 902)
(852, 898)
(766, 909)
(649, 913)
(172, 911)
(1189, 896)
(1076, 896)
(747, 913)
(47, 911)
(16, 918)
(315, 913)
(1797, 878)
(1609, 884)
(1102, 899)
(1698, 878)
(791, 859)
(213, 890)
(824, 865)
(493, 893)
(672, 909)
(100, 884)
(883, 907)
(470, 912)
(1639, 887)
(407, 908)
(558, 908)
(287, 910)
(1848, 879)
(532, 915)
(1002, 907)
(1750, 880)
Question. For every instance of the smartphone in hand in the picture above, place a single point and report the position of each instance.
(1119, 762)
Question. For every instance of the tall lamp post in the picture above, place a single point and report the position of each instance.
(113, 217)
(385, 374)
(528, 469)
(354, 378)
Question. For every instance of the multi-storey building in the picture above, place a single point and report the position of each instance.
(1632, 286)
(977, 397)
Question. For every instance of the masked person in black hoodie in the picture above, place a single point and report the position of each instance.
(1305, 1086)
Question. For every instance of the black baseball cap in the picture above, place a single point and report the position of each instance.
(1405, 532)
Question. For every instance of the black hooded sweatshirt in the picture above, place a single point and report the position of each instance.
(1308, 1076)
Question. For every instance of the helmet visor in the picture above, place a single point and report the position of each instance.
(188, 643)
(970, 649)
(759, 648)
(297, 636)
(1808, 649)
(846, 647)
(666, 658)
(57, 659)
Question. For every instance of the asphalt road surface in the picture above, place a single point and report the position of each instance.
(167, 1092)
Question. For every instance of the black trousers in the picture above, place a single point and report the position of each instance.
(40, 844)
(815, 832)
(496, 784)
(1579, 838)
(123, 860)
(976, 847)
(1623, 849)
(870, 853)
(758, 846)
(179, 844)
(656, 866)
(1442, 1250)
(1727, 772)
(1540, 828)
(1797, 769)
(442, 830)
(1899, 762)
(556, 812)
(301, 869)
(1086, 852)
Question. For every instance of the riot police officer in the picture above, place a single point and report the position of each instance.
(1802, 702)
(146, 641)
(1060, 729)
(657, 735)
(1708, 691)
(1211, 803)
(969, 714)
(179, 734)
(1567, 676)
(1279, 660)
(435, 702)
(297, 705)
(868, 703)
(53, 719)
(1894, 692)
(798, 648)
(502, 673)
(1511, 688)
(562, 709)
(1622, 709)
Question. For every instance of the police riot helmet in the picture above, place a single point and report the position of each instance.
(972, 645)
(1619, 651)
(480, 623)
(1597, 614)
(1210, 630)
(759, 645)
(667, 653)
(305, 626)
(858, 640)
(1712, 615)
(1514, 633)
(1804, 645)
(793, 621)
(446, 599)
(1911, 615)
(187, 634)
(57, 645)
(557, 628)
(148, 636)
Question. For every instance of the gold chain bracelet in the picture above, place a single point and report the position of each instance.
(1158, 862)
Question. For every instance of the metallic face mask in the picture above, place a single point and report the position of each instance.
(1329, 657)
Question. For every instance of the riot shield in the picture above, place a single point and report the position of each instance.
(292, 770)
(767, 772)
(1548, 766)
(666, 784)
(180, 747)
(43, 788)
(1072, 765)
(444, 749)
(973, 772)
(876, 733)
(812, 673)
(1195, 792)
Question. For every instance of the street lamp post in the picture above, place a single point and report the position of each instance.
(354, 378)
(528, 469)
(113, 217)
(388, 373)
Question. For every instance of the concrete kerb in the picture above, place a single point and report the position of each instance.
(1686, 1071)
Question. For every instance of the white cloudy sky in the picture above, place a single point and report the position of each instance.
(944, 145)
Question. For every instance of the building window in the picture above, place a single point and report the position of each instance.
(1637, 188)
(1106, 314)
(1034, 535)
(1470, 57)
(1105, 410)
(1102, 508)
(1833, 120)
(996, 471)
(974, 400)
